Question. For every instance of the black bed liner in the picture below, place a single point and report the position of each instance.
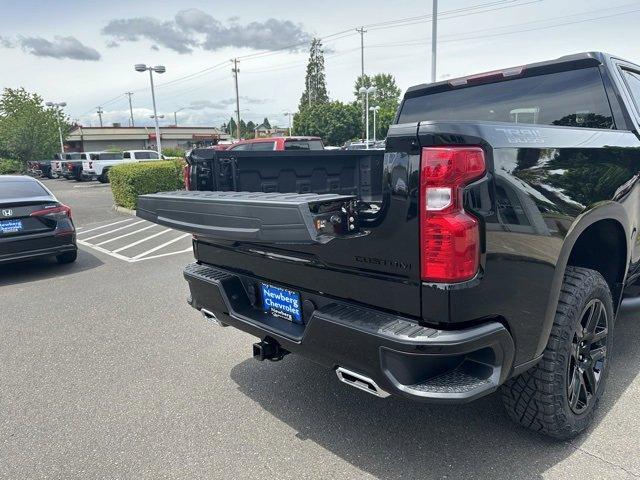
(281, 218)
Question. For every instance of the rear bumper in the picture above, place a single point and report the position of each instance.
(34, 246)
(401, 356)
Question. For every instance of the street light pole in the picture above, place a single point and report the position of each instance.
(155, 114)
(375, 111)
(366, 91)
(141, 67)
(434, 40)
(175, 116)
(58, 106)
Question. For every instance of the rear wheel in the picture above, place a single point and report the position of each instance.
(68, 257)
(560, 395)
(104, 177)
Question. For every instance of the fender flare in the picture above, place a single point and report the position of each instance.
(608, 210)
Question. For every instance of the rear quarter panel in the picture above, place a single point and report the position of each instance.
(545, 186)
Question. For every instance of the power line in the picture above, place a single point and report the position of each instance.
(447, 15)
(459, 38)
(428, 17)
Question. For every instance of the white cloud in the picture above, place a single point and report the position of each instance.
(59, 47)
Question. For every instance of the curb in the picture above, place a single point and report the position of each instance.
(124, 210)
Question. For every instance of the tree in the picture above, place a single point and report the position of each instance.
(315, 82)
(243, 128)
(29, 130)
(335, 122)
(387, 92)
(387, 97)
(232, 127)
(266, 123)
(250, 129)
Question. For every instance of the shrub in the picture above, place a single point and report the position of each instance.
(133, 179)
(10, 166)
(173, 152)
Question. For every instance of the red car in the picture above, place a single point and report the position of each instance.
(279, 144)
(264, 145)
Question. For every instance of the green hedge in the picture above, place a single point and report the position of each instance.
(133, 179)
(10, 166)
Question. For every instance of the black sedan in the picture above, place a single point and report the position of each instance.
(33, 223)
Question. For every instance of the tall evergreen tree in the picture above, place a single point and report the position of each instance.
(231, 127)
(315, 90)
(266, 123)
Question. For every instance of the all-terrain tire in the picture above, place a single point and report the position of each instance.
(542, 398)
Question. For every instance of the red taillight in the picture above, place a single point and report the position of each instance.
(449, 236)
(60, 209)
(186, 175)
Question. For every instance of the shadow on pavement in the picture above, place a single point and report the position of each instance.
(44, 268)
(397, 438)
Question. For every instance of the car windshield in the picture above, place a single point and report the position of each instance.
(19, 189)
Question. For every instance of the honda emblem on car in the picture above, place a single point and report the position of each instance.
(7, 212)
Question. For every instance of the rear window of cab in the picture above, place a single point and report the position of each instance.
(574, 98)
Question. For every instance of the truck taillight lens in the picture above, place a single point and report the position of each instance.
(449, 236)
(90, 164)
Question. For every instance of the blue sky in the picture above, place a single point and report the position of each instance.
(91, 61)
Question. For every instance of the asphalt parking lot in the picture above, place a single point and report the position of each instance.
(106, 372)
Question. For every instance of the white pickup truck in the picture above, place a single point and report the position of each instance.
(99, 163)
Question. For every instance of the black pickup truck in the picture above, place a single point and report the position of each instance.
(490, 246)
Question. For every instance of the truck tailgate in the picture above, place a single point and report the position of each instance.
(289, 239)
(278, 218)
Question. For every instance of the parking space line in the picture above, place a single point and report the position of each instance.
(105, 226)
(106, 236)
(125, 235)
(155, 249)
(141, 241)
(190, 249)
(113, 231)
(104, 250)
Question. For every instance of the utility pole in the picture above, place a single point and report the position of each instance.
(434, 40)
(361, 31)
(100, 112)
(235, 71)
(128, 94)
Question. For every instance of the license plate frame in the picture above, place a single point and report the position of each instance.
(11, 226)
(281, 302)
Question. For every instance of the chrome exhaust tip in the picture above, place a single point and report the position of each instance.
(211, 317)
(360, 382)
